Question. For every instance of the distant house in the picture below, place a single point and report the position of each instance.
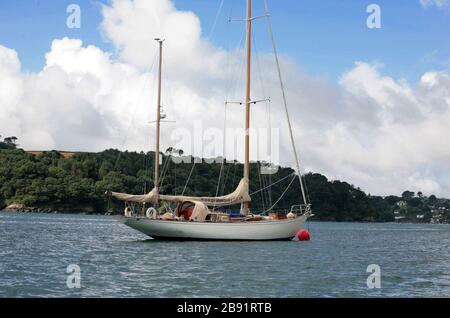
(420, 216)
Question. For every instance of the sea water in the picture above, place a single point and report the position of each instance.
(57, 255)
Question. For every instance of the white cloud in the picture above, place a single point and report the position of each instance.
(377, 132)
(423, 184)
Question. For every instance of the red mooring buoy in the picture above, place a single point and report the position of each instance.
(303, 235)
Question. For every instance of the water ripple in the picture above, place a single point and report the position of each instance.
(116, 261)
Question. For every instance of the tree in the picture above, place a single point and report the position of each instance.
(9, 143)
(407, 195)
(105, 168)
(415, 202)
(79, 183)
(432, 199)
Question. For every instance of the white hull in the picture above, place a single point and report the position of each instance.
(244, 231)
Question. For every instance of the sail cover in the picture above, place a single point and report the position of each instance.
(239, 195)
(200, 212)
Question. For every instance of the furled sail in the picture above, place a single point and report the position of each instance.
(149, 197)
(240, 195)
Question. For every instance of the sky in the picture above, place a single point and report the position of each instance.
(324, 37)
(369, 106)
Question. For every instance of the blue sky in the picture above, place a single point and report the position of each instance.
(324, 37)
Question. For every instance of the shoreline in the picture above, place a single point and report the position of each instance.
(52, 211)
(87, 182)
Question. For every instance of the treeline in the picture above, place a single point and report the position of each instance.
(8, 142)
(50, 181)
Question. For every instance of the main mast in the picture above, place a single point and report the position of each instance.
(247, 98)
(158, 118)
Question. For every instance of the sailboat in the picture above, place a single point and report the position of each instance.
(193, 218)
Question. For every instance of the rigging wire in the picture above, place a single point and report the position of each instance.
(268, 117)
(240, 70)
(270, 185)
(229, 82)
(144, 164)
(175, 180)
(135, 109)
(165, 168)
(234, 172)
(240, 67)
(232, 85)
(269, 25)
(282, 195)
(211, 32)
(213, 28)
(258, 66)
(189, 177)
(228, 167)
(223, 150)
(261, 185)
